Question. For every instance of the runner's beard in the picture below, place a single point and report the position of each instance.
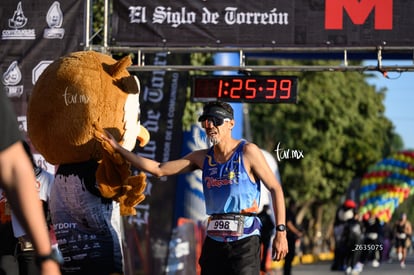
(214, 141)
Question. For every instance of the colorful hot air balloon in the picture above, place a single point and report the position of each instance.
(386, 185)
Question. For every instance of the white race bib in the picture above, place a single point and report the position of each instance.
(226, 225)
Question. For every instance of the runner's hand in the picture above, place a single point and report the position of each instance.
(279, 246)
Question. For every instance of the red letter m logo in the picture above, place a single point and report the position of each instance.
(358, 11)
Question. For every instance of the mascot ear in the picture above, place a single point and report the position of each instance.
(129, 84)
(118, 68)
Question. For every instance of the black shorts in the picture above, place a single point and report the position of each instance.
(241, 257)
(400, 242)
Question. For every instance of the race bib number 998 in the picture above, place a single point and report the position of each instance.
(226, 225)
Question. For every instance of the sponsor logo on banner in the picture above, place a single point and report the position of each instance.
(22, 123)
(54, 19)
(11, 78)
(231, 16)
(16, 24)
(358, 12)
(273, 23)
(39, 68)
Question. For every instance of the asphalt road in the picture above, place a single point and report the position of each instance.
(323, 268)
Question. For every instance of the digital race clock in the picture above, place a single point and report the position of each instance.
(255, 89)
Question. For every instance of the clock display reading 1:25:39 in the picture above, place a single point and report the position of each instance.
(255, 89)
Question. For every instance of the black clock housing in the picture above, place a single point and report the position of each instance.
(254, 89)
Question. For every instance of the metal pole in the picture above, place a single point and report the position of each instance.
(106, 13)
(88, 18)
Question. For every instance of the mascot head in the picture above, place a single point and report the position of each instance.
(74, 99)
(76, 95)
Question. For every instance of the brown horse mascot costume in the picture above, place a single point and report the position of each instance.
(75, 99)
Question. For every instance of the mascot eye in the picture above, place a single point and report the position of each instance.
(129, 84)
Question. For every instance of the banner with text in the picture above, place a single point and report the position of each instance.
(33, 34)
(163, 97)
(264, 23)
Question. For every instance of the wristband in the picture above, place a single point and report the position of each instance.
(281, 227)
(54, 256)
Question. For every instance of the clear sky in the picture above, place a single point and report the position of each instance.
(399, 100)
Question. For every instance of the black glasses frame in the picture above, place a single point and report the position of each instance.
(215, 120)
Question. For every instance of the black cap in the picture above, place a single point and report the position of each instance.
(215, 111)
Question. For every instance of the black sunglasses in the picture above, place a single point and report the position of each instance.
(215, 120)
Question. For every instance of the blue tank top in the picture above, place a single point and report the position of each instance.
(228, 189)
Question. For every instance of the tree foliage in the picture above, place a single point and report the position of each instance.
(329, 138)
(98, 11)
(338, 124)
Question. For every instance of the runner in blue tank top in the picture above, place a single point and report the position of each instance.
(232, 172)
